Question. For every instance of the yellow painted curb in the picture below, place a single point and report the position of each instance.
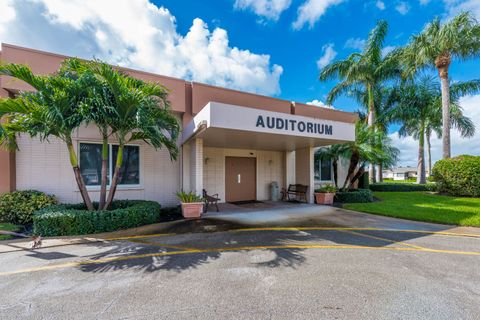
(246, 248)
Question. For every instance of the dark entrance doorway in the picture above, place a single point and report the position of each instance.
(240, 179)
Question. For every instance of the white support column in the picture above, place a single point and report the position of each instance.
(186, 167)
(304, 173)
(289, 168)
(196, 166)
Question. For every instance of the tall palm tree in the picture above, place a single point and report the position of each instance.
(436, 46)
(365, 70)
(141, 111)
(97, 109)
(432, 126)
(384, 98)
(419, 110)
(50, 111)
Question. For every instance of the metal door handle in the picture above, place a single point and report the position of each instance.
(239, 178)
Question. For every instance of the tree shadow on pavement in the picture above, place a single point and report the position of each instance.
(145, 258)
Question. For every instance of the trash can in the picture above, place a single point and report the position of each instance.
(274, 192)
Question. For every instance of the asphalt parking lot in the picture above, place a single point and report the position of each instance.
(282, 272)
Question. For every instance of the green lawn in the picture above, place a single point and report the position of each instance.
(399, 181)
(7, 227)
(423, 206)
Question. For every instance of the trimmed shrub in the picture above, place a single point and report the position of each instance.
(354, 196)
(459, 176)
(74, 219)
(18, 207)
(401, 187)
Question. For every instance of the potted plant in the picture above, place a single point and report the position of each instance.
(192, 204)
(325, 194)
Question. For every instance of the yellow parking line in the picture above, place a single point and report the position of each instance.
(439, 233)
(383, 239)
(442, 233)
(163, 245)
(246, 248)
(155, 235)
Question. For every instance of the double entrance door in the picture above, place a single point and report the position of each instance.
(240, 179)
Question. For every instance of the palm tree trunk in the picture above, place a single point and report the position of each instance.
(421, 179)
(371, 123)
(357, 176)
(78, 175)
(429, 153)
(114, 183)
(354, 160)
(379, 171)
(442, 63)
(103, 186)
(335, 171)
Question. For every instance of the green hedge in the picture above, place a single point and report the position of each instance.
(354, 196)
(401, 187)
(18, 207)
(73, 219)
(459, 176)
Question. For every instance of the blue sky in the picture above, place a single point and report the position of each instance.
(271, 47)
(297, 51)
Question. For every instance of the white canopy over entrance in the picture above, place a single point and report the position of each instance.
(282, 144)
(224, 125)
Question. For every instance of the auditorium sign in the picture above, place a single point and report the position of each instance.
(279, 123)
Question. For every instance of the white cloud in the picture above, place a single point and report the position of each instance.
(269, 9)
(140, 35)
(402, 7)
(355, 43)
(311, 11)
(455, 7)
(424, 2)
(409, 147)
(328, 55)
(319, 103)
(380, 5)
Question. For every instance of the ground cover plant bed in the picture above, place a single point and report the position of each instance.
(74, 219)
(423, 206)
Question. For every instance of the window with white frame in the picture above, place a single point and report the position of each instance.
(91, 164)
(323, 169)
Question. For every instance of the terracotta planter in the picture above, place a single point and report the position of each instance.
(324, 198)
(192, 210)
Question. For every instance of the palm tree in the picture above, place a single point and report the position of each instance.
(364, 71)
(333, 153)
(432, 126)
(384, 99)
(141, 111)
(50, 111)
(419, 109)
(362, 152)
(96, 109)
(65, 100)
(436, 46)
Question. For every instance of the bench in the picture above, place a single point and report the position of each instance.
(295, 192)
(210, 200)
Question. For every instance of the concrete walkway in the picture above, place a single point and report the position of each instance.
(308, 215)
